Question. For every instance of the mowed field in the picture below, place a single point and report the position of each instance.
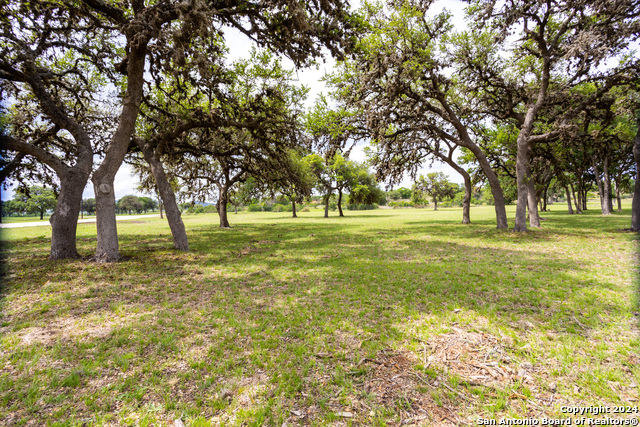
(385, 317)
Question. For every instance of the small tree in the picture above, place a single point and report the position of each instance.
(37, 199)
(130, 203)
(324, 178)
(364, 188)
(436, 185)
(148, 204)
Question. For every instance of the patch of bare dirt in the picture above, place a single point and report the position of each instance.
(395, 383)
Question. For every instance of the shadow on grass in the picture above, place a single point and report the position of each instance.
(290, 307)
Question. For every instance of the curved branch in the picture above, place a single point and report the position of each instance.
(14, 144)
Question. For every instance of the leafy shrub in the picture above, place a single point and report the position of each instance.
(401, 204)
(362, 207)
(255, 207)
(282, 208)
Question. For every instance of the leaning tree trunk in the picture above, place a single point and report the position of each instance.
(566, 189)
(64, 221)
(340, 202)
(466, 201)
(104, 176)
(293, 207)
(494, 184)
(635, 206)
(221, 205)
(174, 218)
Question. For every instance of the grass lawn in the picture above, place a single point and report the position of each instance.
(385, 317)
(15, 219)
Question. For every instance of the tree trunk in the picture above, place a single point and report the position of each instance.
(340, 202)
(293, 208)
(494, 184)
(64, 221)
(522, 179)
(326, 205)
(599, 184)
(566, 189)
(168, 198)
(221, 205)
(435, 204)
(608, 195)
(618, 197)
(576, 201)
(466, 201)
(41, 214)
(635, 206)
(532, 200)
(103, 177)
(602, 187)
(526, 190)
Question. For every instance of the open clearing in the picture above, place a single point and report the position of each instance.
(383, 317)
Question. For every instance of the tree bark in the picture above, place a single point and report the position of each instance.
(576, 200)
(221, 205)
(608, 195)
(293, 208)
(64, 221)
(340, 202)
(174, 218)
(466, 201)
(435, 204)
(532, 199)
(602, 187)
(326, 205)
(494, 184)
(523, 162)
(618, 197)
(103, 177)
(522, 179)
(635, 205)
(566, 189)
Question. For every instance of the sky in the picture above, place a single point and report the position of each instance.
(239, 47)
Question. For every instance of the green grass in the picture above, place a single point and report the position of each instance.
(373, 319)
(18, 219)
(15, 219)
